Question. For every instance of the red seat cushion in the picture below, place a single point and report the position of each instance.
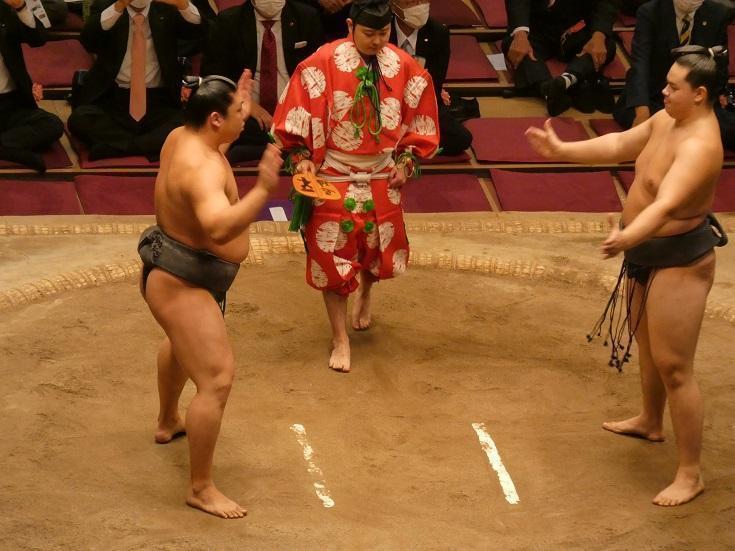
(626, 20)
(54, 63)
(502, 140)
(468, 61)
(74, 22)
(224, 4)
(626, 38)
(246, 183)
(55, 157)
(454, 13)
(32, 198)
(445, 193)
(605, 126)
(125, 195)
(556, 191)
(493, 11)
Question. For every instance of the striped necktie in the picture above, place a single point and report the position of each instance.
(686, 30)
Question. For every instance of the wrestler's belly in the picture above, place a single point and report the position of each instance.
(638, 200)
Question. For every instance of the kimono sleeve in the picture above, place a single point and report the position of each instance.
(421, 117)
(302, 112)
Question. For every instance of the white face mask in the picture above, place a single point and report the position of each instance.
(269, 8)
(140, 4)
(687, 6)
(416, 16)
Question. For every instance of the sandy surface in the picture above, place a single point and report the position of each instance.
(503, 346)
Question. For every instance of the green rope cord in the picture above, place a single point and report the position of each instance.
(359, 116)
(302, 205)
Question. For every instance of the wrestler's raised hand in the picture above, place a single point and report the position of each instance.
(545, 141)
(614, 244)
(269, 168)
(306, 166)
(245, 89)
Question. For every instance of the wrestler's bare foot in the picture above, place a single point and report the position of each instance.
(340, 359)
(361, 312)
(212, 501)
(169, 430)
(636, 427)
(686, 487)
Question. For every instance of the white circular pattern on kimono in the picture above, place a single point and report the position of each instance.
(344, 138)
(313, 81)
(318, 276)
(390, 113)
(343, 266)
(326, 236)
(414, 90)
(341, 239)
(386, 231)
(297, 122)
(389, 62)
(374, 267)
(342, 104)
(317, 133)
(423, 126)
(372, 239)
(361, 194)
(394, 196)
(318, 202)
(346, 57)
(400, 259)
(284, 93)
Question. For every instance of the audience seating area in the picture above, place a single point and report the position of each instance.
(500, 172)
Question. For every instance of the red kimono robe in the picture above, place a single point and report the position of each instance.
(364, 231)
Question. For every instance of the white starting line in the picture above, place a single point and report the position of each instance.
(319, 485)
(496, 463)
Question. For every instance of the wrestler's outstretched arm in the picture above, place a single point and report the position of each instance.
(221, 220)
(680, 192)
(617, 147)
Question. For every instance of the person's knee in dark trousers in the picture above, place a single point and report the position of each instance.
(454, 137)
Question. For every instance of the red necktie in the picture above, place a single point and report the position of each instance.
(137, 69)
(268, 69)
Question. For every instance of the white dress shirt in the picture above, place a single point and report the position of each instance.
(153, 78)
(409, 48)
(283, 76)
(7, 84)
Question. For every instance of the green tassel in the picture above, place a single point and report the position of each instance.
(302, 209)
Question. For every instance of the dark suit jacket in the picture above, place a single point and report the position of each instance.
(535, 14)
(656, 35)
(233, 41)
(167, 26)
(12, 33)
(432, 44)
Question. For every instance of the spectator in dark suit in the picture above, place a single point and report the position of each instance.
(269, 37)
(428, 41)
(570, 30)
(25, 129)
(662, 25)
(130, 100)
(57, 10)
(629, 7)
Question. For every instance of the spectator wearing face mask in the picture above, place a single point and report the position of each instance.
(269, 37)
(662, 25)
(427, 41)
(24, 128)
(579, 33)
(130, 99)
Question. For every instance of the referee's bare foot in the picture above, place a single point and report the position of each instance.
(636, 427)
(685, 487)
(210, 500)
(361, 317)
(168, 430)
(340, 358)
